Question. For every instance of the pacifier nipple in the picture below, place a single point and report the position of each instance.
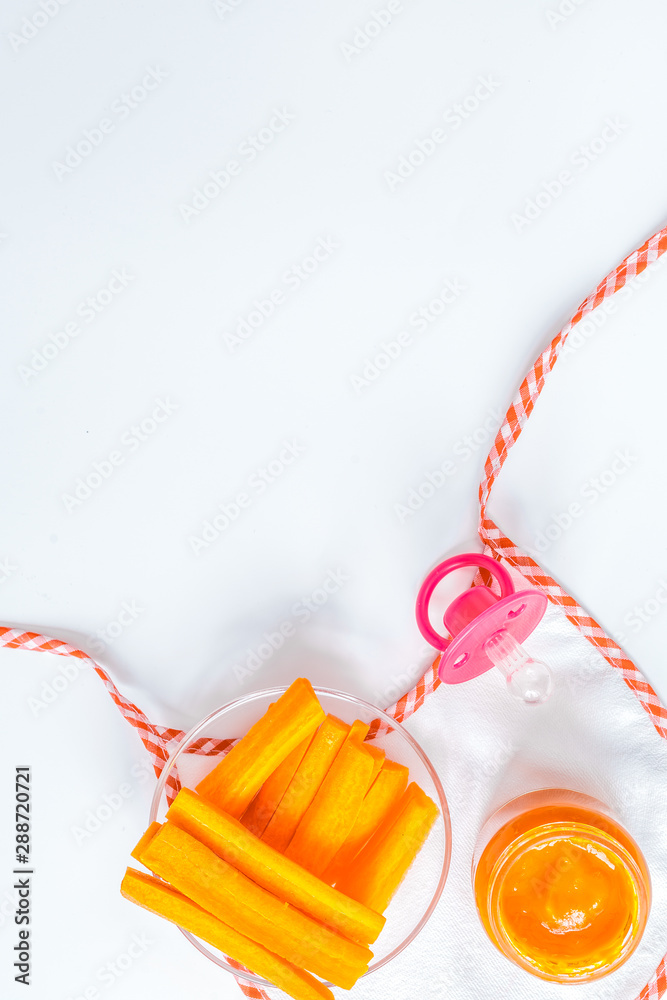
(528, 680)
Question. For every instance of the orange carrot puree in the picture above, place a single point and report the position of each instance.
(562, 895)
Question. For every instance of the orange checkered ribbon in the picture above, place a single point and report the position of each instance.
(498, 545)
(160, 742)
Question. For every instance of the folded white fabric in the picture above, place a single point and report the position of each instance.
(593, 736)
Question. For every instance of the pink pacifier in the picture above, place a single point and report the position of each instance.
(487, 631)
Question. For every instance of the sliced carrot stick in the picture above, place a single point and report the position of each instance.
(333, 812)
(145, 840)
(381, 798)
(232, 842)
(163, 900)
(231, 896)
(310, 774)
(261, 809)
(358, 731)
(234, 782)
(378, 759)
(379, 868)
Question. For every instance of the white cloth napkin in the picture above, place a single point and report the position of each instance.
(593, 736)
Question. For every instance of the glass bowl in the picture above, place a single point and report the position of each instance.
(422, 887)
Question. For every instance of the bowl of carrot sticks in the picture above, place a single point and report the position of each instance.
(298, 837)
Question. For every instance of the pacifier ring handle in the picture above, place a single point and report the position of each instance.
(499, 572)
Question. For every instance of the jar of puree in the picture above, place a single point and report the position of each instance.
(561, 888)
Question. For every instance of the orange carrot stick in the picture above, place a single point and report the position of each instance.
(145, 840)
(381, 798)
(378, 756)
(310, 774)
(379, 868)
(258, 814)
(232, 842)
(358, 731)
(163, 900)
(333, 812)
(234, 782)
(231, 896)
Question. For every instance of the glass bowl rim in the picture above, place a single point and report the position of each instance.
(193, 733)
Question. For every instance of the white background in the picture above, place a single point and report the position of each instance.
(356, 104)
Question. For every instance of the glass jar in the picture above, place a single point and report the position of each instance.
(561, 888)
